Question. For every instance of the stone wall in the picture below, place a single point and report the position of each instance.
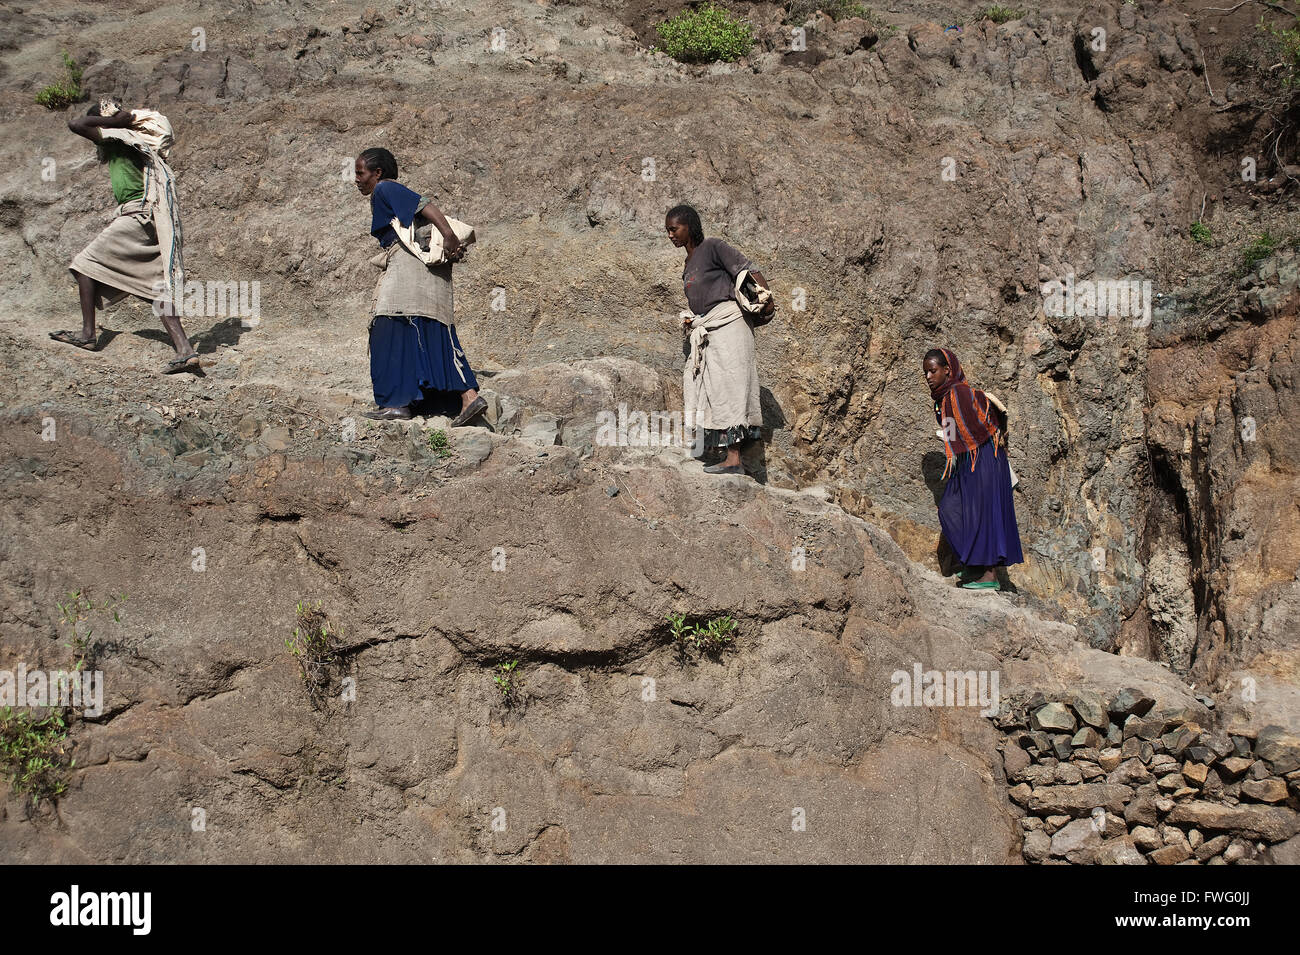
(1114, 781)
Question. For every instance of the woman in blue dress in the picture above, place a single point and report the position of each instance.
(977, 512)
(415, 354)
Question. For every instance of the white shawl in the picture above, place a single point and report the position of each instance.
(151, 133)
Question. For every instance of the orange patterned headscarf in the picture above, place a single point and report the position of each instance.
(973, 423)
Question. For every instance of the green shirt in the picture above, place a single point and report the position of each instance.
(125, 170)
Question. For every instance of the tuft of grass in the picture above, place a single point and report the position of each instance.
(1237, 61)
(801, 11)
(80, 614)
(1260, 249)
(313, 642)
(709, 639)
(999, 14)
(1200, 232)
(1286, 46)
(436, 442)
(705, 35)
(66, 91)
(34, 753)
(504, 677)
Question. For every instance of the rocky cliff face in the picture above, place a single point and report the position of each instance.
(901, 184)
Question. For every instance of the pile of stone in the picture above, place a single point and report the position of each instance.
(1113, 782)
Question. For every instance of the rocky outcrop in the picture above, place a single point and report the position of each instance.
(902, 181)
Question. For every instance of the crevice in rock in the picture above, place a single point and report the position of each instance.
(1083, 60)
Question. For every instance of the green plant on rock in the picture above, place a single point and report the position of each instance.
(34, 753)
(1261, 248)
(709, 639)
(80, 614)
(67, 91)
(504, 678)
(1200, 232)
(436, 442)
(314, 643)
(1000, 14)
(704, 35)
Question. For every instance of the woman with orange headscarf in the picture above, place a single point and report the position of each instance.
(976, 512)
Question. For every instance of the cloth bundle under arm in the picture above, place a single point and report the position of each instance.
(393, 210)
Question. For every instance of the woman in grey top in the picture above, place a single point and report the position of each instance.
(720, 382)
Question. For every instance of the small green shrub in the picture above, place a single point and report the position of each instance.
(34, 753)
(704, 35)
(1200, 232)
(1000, 14)
(504, 678)
(1257, 251)
(67, 91)
(436, 441)
(313, 643)
(710, 639)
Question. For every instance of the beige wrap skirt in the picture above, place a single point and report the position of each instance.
(125, 257)
(720, 382)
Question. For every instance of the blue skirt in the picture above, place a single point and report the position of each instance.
(415, 359)
(977, 513)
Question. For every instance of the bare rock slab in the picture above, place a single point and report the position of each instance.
(1270, 823)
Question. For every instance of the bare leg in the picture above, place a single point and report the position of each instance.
(180, 341)
(467, 398)
(732, 459)
(87, 291)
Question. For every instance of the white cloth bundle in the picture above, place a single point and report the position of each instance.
(720, 380)
(760, 298)
(435, 255)
(149, 129)
(151, 133)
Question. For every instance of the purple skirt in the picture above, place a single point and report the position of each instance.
(977, 513)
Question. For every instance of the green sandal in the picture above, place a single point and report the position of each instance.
(981, 585)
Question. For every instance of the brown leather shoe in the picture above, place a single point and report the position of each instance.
(476, 408)
(388, 414)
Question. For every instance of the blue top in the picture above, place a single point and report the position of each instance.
(390, 198)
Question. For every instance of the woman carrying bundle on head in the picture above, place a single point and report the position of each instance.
(415, 353)
(976, 512)
(720, 383)
(139, 253)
